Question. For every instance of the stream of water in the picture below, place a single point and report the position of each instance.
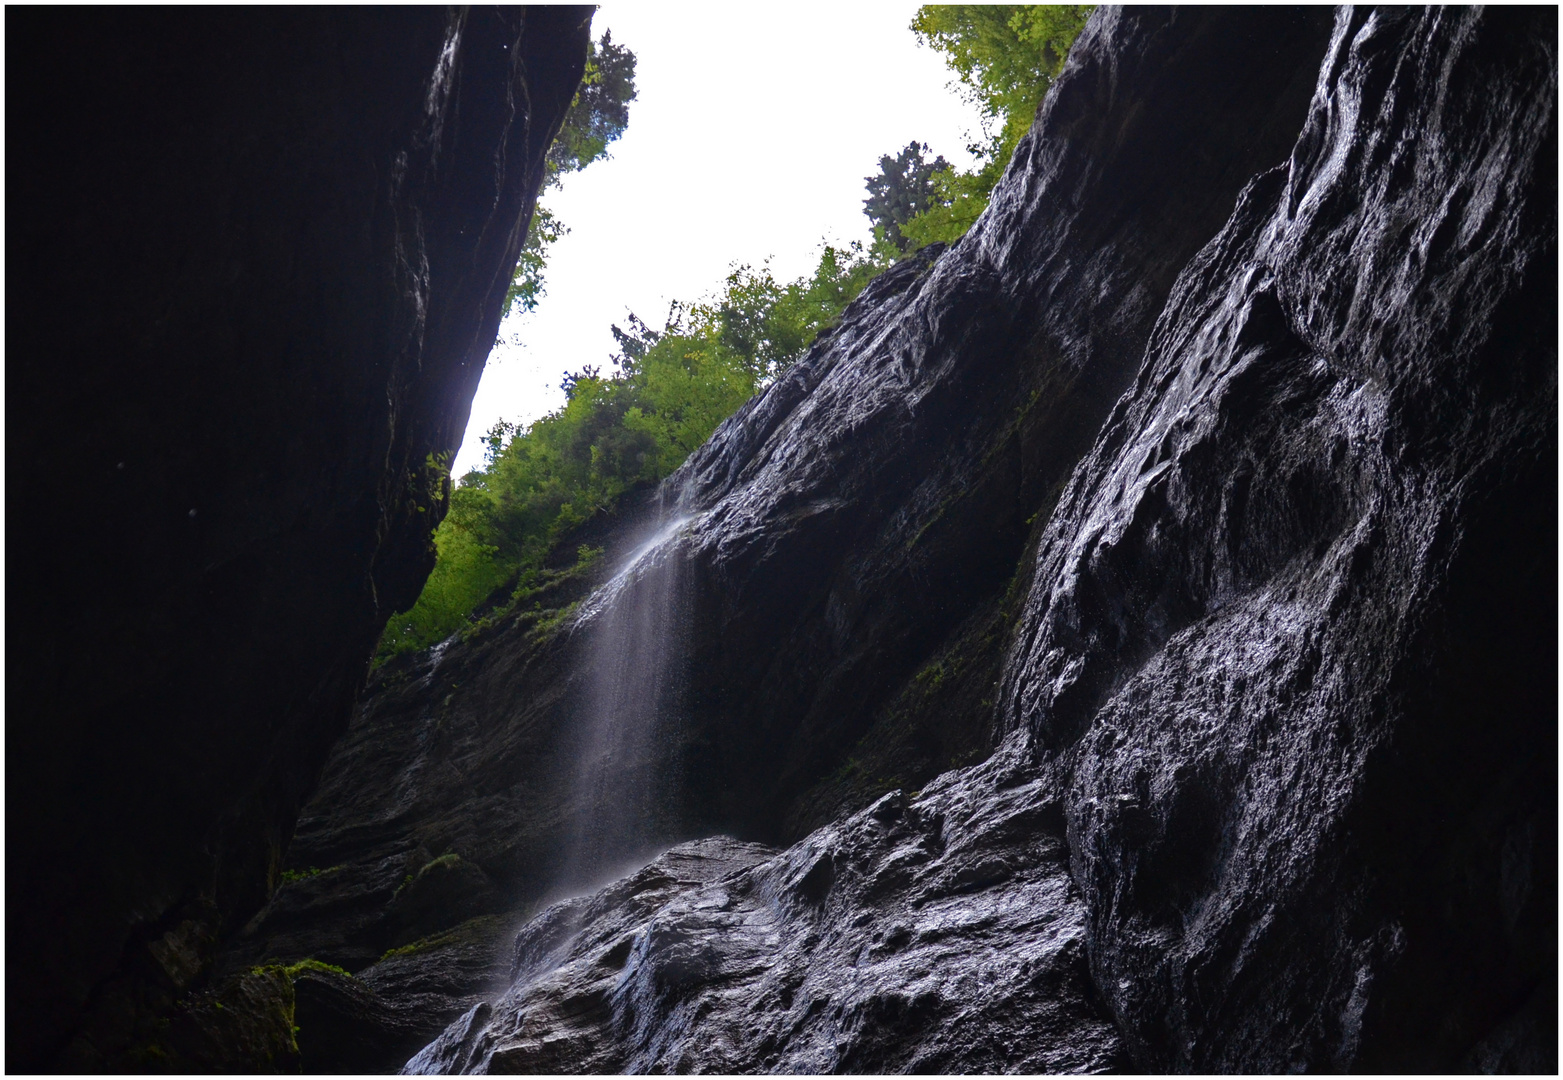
(627, 742)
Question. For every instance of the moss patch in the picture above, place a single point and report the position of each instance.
(294, 970)
(290, 876)
(469, 931)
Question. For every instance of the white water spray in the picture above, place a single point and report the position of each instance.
(632, 709)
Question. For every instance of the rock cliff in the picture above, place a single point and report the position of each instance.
(900, 468)
(1210, 484)
(1126, 641)
(256, 262)
(1291, 647)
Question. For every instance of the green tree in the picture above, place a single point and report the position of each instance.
(526, 287)
(1005, 59)
(597, 117)
(765, 326)
(599, 112)
(903, 189)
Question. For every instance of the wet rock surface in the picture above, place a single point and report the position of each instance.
(863, 521)
(1208, 485)
(1293, 635)
(941, 934)
(1276, 782)
(257, 261)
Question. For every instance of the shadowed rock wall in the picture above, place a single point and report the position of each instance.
(256, 261)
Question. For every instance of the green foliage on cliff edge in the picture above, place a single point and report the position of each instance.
(618, 430)
(672, 387)
(903, 190)
(1005, 58)
(597, 118)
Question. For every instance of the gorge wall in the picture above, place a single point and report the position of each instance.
(1126, 641)
(256, 263)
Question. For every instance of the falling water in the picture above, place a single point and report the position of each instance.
(632, 705)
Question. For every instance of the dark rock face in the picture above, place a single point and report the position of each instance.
(1293, 637)
(439, 820)
(1262, 657)
(256, 262)
(1276, 785)
(884, 943)
(377, 1018)
(877, 501)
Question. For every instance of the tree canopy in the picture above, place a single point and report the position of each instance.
(1005, 58)
(600, 111)
(597, 117)
(903, 189)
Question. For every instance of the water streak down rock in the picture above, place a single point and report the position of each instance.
(636, 669)
(1276, 782)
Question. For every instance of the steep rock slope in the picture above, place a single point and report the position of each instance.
(871, 512)
(1282, 691)
(853, 518)
(882, 943)
(1294, 633)
(256, 263)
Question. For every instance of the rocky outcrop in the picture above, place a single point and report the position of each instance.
(862, 522)
(256, 262)
(880, 944)
(1139, 619)
(850, 594)
(1276, 783)
(1293, 636)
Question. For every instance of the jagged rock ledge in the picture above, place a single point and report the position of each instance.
(879, 944)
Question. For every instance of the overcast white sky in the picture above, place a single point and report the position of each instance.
(754, 128)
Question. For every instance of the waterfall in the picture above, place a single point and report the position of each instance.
(627, 737)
